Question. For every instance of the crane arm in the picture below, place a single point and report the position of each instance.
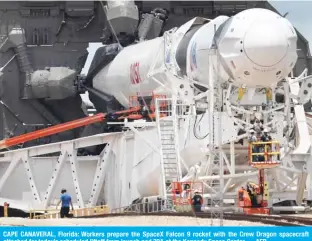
(64, 127)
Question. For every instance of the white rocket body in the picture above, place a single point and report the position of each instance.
(115, 78)
(255, 48)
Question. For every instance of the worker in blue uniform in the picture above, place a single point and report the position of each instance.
(66, 201)
(197, 202)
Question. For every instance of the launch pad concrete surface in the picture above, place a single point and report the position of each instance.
(123, 221)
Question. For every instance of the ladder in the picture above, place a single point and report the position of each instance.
(169, 148)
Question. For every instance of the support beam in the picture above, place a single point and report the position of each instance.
(10, 169)
(72, 155)
(55, 175)
(100, 172)
(35, 194)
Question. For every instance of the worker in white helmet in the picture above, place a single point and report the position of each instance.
(258, 126)
(252, 191)
(197, 201)
(265, 136)
(252, 137)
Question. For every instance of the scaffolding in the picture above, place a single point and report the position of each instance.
(215, 138)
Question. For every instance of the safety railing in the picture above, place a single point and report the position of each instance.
(81, 212)
(264, 154)
(43, 213)
(171, 106)
(150, 97)
(148, 100)
(146, 207)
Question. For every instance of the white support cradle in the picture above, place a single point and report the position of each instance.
(120, 179)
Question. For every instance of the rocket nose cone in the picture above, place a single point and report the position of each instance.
(265, 43)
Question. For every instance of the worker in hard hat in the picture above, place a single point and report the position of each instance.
(265, 136)
(197, 201)
(253, 185)
(251, 189)
(252, 138)
(258, 126)
(145, 111)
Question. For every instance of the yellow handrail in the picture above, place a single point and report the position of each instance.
(263, 153)
(90, 211)
(264, 142)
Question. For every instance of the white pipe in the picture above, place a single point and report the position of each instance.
(206, 209)
(227, 195)
(237, 168)
(240, 175)
(291, 208)
(237, 209)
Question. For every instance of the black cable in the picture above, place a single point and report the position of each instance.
(194, 128)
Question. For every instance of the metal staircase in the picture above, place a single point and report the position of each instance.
(166, 118)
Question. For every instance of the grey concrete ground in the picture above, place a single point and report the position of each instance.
(123, 221)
